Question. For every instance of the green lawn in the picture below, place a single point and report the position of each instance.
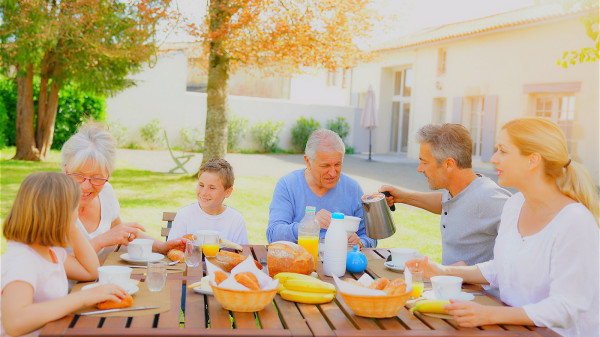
(144, 195)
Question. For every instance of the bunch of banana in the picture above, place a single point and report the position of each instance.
(431, 306)
(304, 289)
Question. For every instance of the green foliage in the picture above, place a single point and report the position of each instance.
(191, 140)
(236, 131)
(301, 131)
(74, 107)
(119, 132)
(152, 135)
(267, 135)
(339, 126)
(3, 122)
(590, 21)
(349, 149)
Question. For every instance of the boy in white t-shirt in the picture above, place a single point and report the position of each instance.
(215, 183)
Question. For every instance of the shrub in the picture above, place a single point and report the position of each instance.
(192, 140)
(3, 122)
(74, 107)
(119, 132)
(302, 131)
(339, 126)
(152, 135)
(236, 131)
(267, 135)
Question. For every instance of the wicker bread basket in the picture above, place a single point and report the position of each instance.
(376, 306)
(243, 300)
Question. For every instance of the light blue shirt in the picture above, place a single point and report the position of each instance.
(291, 196)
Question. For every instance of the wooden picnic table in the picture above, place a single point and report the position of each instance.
(203, 315)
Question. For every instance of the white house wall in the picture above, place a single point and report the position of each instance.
(498, 63)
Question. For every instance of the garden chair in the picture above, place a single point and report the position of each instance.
(178, 160)
(168, 217)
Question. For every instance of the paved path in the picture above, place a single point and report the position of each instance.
(382, 169)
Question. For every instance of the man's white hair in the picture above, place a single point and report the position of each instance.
(90, 143)
(322, 140)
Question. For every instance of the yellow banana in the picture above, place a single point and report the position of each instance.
(308, 298)
(280, 289)
(309, 286)
(284, 276)
(431, 306)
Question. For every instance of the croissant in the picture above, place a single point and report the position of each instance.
(248, 280)
(126, 302)
(176, 255)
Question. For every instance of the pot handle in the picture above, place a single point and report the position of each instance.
(387, 194)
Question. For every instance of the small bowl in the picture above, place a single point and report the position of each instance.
(243, 300)
(376, 306)
(351, 223)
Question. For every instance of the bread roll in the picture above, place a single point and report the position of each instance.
(285, 256)
(190, 237)
(229, 244)
(379, 283)
(176, 255)
(126, 302)
(396, 287)
(227, 260)
(248, 280)
(220, 277)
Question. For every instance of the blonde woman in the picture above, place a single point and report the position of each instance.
(88, 157)
(546, 253)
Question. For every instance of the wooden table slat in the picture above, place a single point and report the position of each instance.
(317, 323)
(88, 322)
(269, 319)
(171, 318)
(293, 320)
(58, 327)
(115, 322)
(217, 316)
(412, 322)
(391, 323)
(434, 323)
(336, 316)
(194, 309)
(244, 320)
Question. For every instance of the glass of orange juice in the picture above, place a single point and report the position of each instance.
(311, 244)
(210, 245)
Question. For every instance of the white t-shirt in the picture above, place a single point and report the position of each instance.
(191, 218)
(552, 274)
(49, 280)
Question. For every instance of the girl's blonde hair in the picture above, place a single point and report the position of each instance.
(43, 209)
(539, 135)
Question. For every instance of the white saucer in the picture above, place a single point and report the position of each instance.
(464, 296)
(393, 267)
(201, 290)
(154, 257)
(130, 289)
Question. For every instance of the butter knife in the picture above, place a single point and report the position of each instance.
(115, 310)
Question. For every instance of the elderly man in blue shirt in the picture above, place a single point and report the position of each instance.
(321, 184)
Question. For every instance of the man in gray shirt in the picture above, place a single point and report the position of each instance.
(470, 204)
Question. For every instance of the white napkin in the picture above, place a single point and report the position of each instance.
(408, 279)
(349, 288)
(265, 282)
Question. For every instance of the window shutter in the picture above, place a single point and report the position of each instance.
(457, 110)
(488, 129)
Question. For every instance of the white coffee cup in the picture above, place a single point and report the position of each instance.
(140, 249)
(118, 275)
(446, 287)
(401, 255)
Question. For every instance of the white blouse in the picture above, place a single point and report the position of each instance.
(552, 274)
(109, 211)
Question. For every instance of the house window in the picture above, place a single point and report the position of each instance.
(559, 108)
(439, 110)
(441, 66)
(472, 119)
(336, 78)
(402, 91)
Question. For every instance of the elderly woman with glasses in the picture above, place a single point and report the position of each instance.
(88, 157)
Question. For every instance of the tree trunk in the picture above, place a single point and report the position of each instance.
(25, 137)
(215, 136)
(45, 126)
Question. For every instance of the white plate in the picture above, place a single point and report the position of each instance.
(464, 296)
(201, 290)
(393, 267)
(153, 258)
(130, 289)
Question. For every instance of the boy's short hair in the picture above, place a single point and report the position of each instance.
(43, 209)
(222, 168)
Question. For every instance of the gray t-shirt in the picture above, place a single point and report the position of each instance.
(470, 221)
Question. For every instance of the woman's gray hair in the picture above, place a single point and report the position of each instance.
(90, 143)
(448, 141)
(323, 140)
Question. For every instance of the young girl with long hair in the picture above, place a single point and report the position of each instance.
(35, 266)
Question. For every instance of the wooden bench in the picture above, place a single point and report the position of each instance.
(168, 217)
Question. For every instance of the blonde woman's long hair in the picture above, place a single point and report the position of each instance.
(539, 135)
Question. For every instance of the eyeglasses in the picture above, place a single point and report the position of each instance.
(81, 179)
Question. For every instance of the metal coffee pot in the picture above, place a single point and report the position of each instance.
(378, 218)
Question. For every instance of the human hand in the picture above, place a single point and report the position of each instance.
(323, 218)
(469, 314)
(105, 292)
(122, 233)
(353, 240)
(394, 192)
(429, 268)
(178, 243)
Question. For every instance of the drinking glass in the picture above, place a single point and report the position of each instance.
(321, 247)
(193, 254)
(157, 275)
(210, 244)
